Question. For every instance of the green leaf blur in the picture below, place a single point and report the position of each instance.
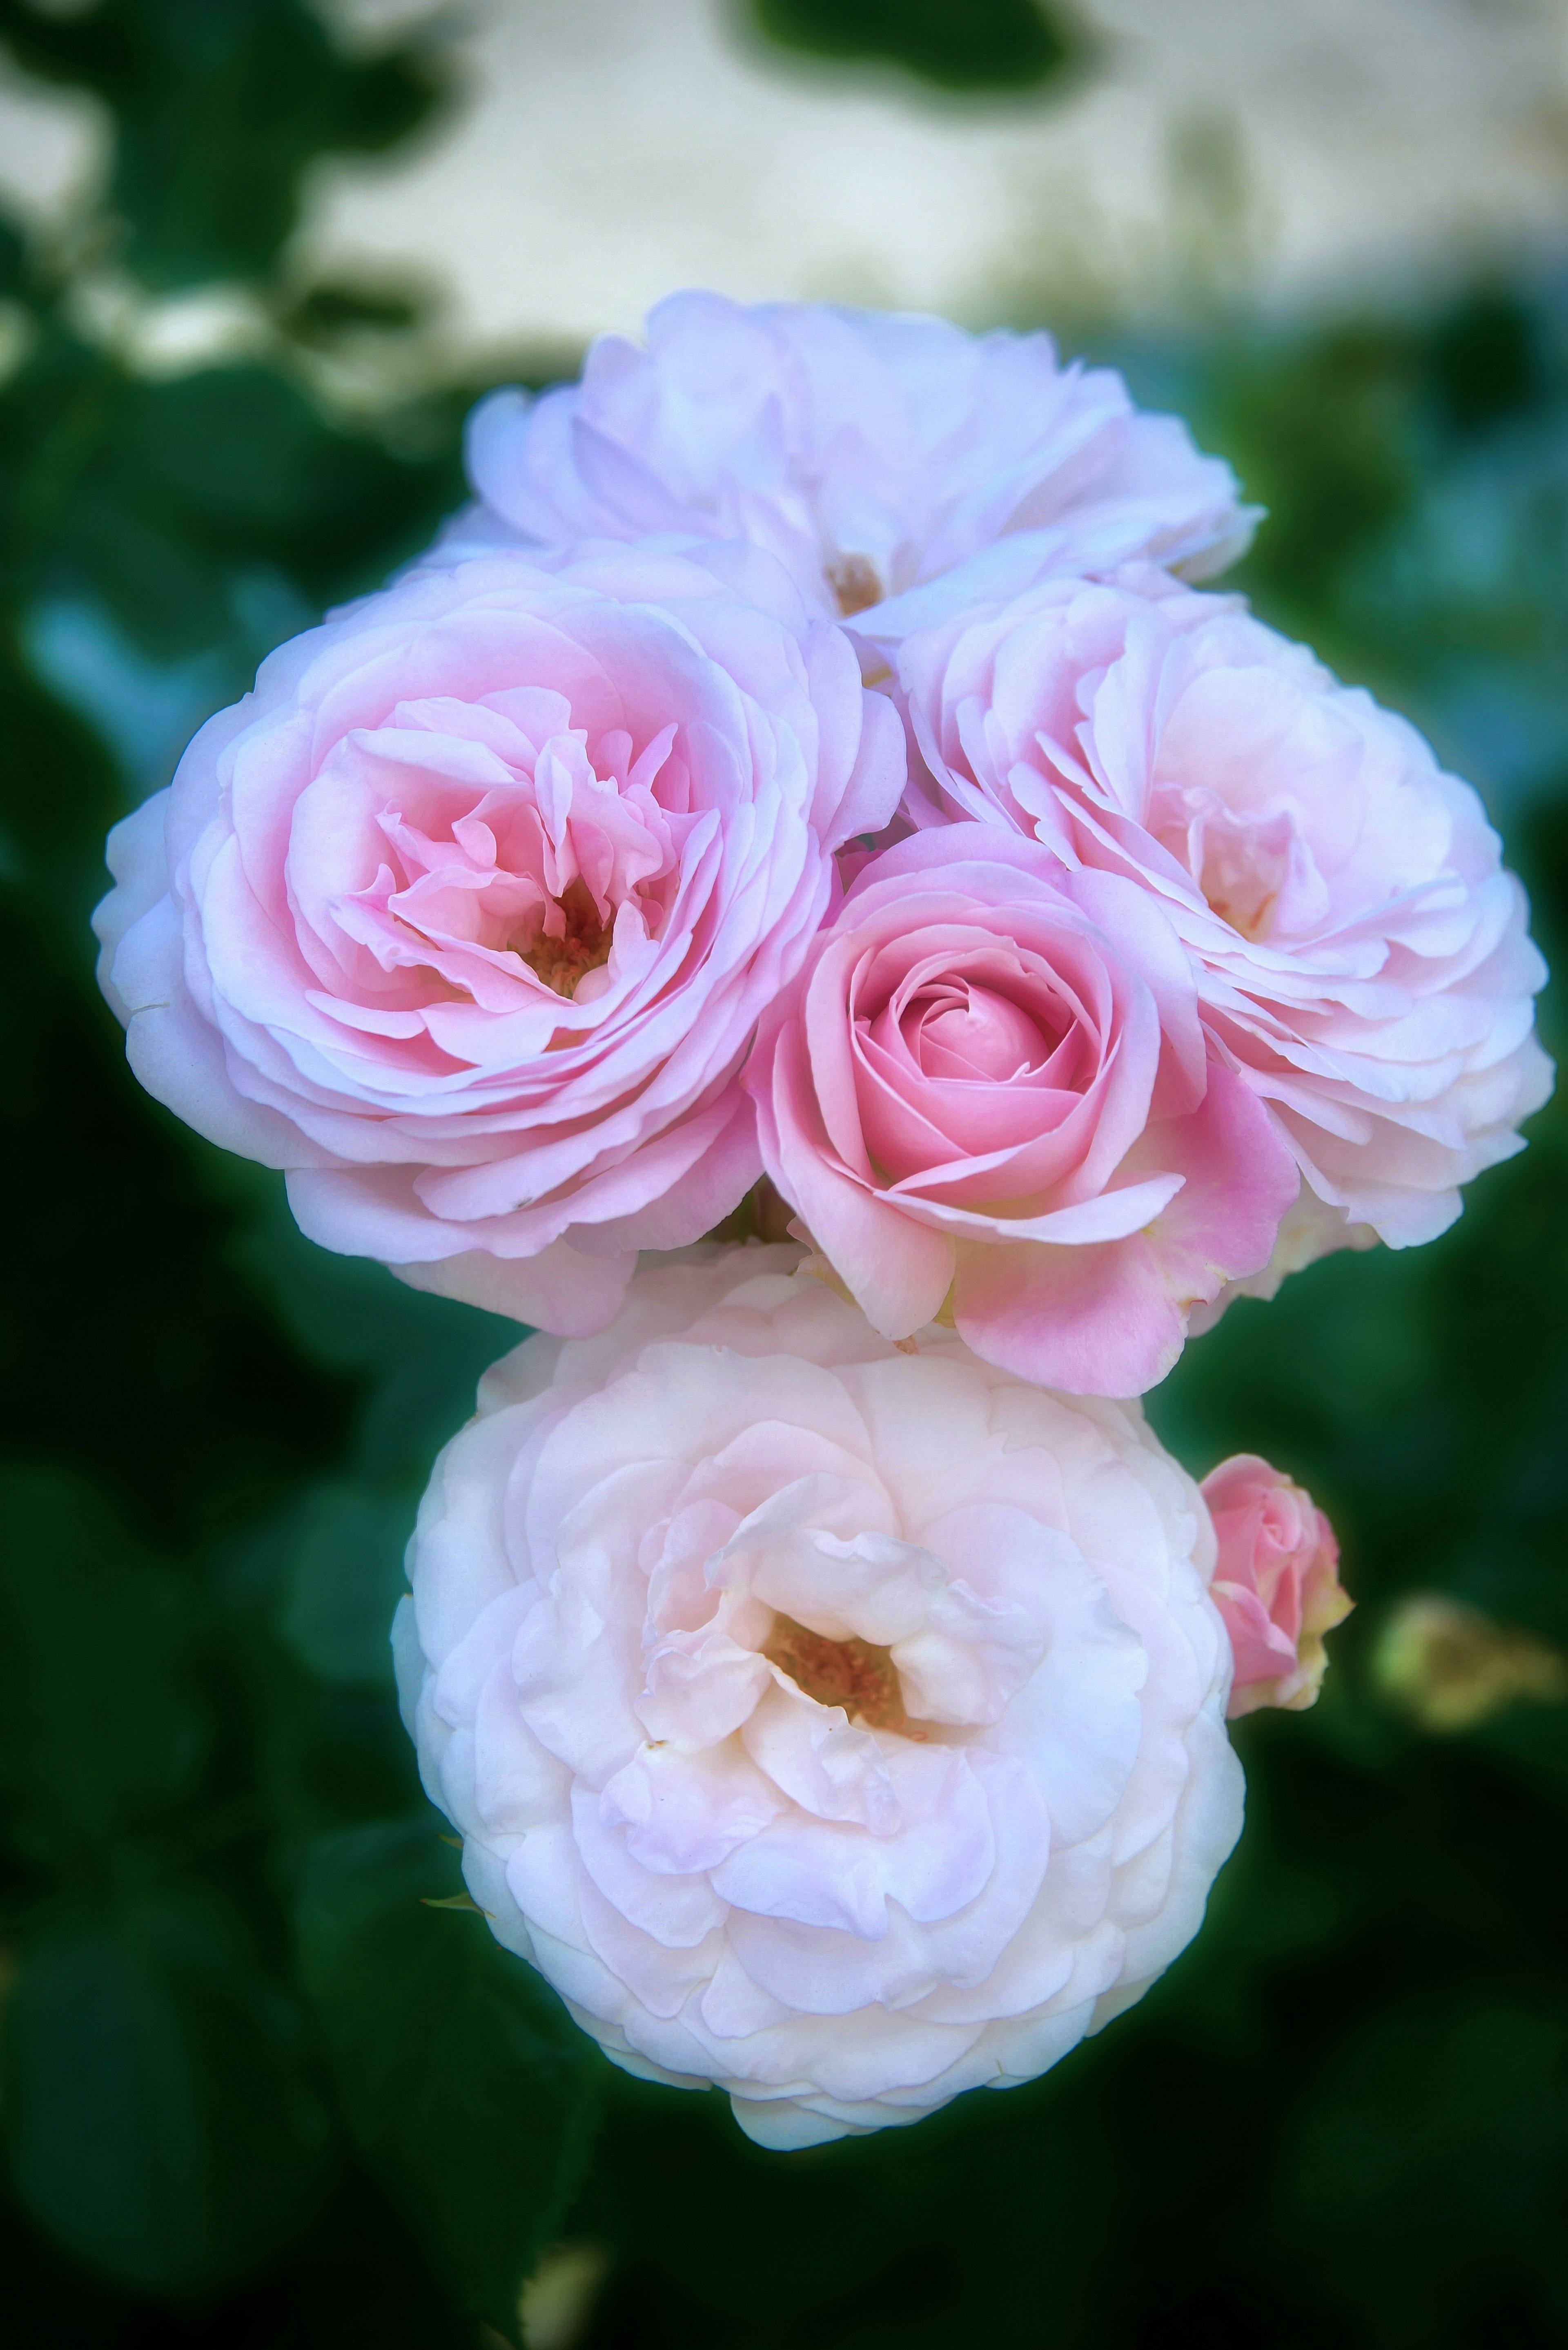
(163, 2120)
(980, 47)
(465, 2086)
(253, 2090)
(219, 105)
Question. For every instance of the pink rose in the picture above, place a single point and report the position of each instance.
(987, 1097)
(1361, 955)
(878, 457)
(1276, 1586)
(840, 1726)
(466, 914)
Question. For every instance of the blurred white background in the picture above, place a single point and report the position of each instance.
(602, 152)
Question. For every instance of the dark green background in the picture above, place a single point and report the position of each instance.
(252, 2092)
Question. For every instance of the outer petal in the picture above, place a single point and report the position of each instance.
(559, 1289)
(1111, 1319)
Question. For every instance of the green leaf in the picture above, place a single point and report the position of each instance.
(167, 500)
(221, 106)
(13, 259)
(159, 2119)
(425, 1355)
(465, 2086)
(345, 1579)
(103, 1729)
(975, 45)
(329, 313)
(52, 840)
(1430, 2159)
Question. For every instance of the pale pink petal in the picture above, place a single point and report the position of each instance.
(986, 1786)
(559, 1289)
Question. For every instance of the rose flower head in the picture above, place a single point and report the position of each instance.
(1362, 956)
(466, 914)
(989, 1099)
(1276, 1584)
(888, 462)
(841, 1726)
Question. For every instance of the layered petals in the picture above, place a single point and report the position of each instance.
(898, 468)
(840, 1726)
(466, 915)
(989, 1098)
(1276, 1584)
(1361, 957)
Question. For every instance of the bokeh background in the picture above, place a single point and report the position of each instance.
(257, 257)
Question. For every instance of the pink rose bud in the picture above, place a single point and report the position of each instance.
(1276, 1584)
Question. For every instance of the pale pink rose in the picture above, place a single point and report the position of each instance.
(1276, 1584)
(888, 460)
(1361, 955)
(466, 914)
(987, 1096)
(839, 1725)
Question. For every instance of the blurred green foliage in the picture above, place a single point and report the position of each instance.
(253, 2089)
(219, 105)
(979, 47)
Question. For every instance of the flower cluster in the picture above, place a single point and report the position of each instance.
(810, 759)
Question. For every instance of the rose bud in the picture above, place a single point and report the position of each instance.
(1360, 953)
(1452, 1668)
(1276, 1584)
(840, 1726)
(466, 915)
(988, 1097)
(896, 466)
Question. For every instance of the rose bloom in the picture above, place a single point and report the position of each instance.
(1276, 1584)
(875, 455)
(1361, 955)
(989, 1099)
(839, 1725)
(466, 914)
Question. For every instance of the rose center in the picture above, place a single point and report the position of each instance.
(1237, 892)
(1240, 862)
(584, 944)
(855, 582)
(863, 1679)
(972, 1032)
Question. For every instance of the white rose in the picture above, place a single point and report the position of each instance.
(887, 462)
(839, 1724)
